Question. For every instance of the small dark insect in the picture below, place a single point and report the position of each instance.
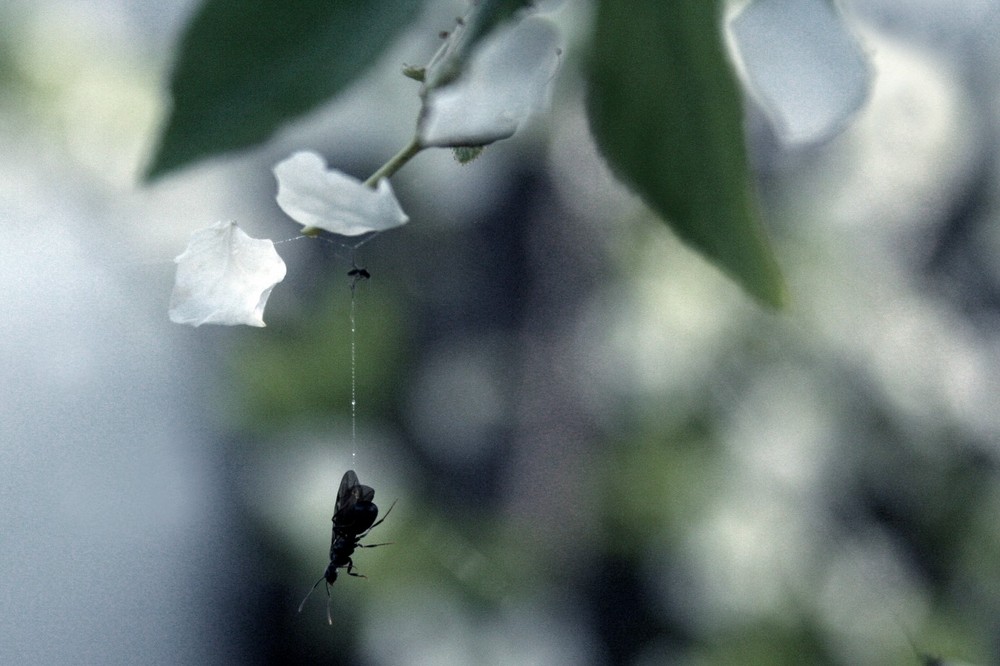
(353, 518)
(359, 273)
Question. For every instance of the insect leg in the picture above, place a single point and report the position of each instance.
(350, 570)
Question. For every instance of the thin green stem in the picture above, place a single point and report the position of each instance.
(394, 164)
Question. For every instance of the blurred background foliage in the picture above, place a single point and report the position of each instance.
(601, 450)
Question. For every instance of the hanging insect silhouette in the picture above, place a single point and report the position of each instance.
(353, 518)
(359, 273)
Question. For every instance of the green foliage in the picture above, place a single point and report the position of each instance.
(669, 473)
(664, 105)
(773, 641)
(666, 112)
(11, 76)
(245, 68)
(301, 367)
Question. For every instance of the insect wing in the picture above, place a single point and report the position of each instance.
(349, 493)
(355, 511)
(366, 493)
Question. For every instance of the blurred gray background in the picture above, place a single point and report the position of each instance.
(603, 452)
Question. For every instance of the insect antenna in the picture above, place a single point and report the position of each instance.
(329, 616)
(321, 578)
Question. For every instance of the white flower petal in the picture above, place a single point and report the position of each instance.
(224, 277)
(505, 80)
(803, 65)
(315, 196)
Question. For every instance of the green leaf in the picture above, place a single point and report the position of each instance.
(246, 67)
(666, 112)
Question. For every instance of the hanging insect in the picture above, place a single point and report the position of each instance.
(354, 517)
(359, 273)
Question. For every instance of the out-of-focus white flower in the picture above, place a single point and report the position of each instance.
(224, 277)
(315, 196)
(802, 64)
(507, 78)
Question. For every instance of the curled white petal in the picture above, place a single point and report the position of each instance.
(224, 277)
(506, 79)
(803, 65)
(315, 196)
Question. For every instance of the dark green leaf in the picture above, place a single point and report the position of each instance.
(246, 67)
(666, 112)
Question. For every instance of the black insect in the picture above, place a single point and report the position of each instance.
(353, 518)
(357, 274)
